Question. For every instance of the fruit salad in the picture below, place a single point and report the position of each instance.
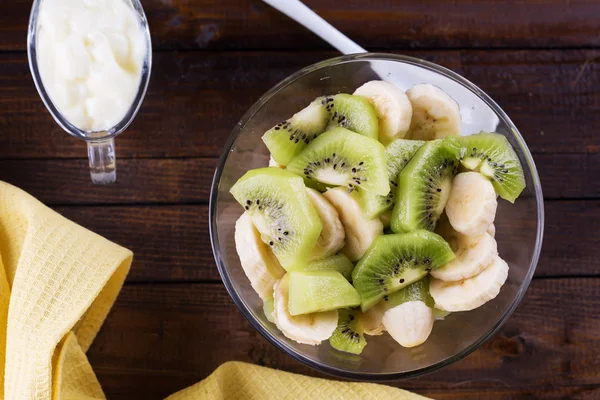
(375, 214)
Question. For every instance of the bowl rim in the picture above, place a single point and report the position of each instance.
(369, 376)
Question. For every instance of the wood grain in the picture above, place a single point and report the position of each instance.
(172, 243)
(376, 24)
(188, 180)
(591, 392)
(67, 181)
(162, 338)
(196, 98)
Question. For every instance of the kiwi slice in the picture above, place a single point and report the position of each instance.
(338, 262)
(417, 291)
(395, 261)
(397, 155)
(492, 155)
(288, 138)
(343, 158)
(424, 186)
(348, 336)
(318, 291)
(282, 212)
(353, 112)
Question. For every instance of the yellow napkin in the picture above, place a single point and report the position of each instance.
(58, 282)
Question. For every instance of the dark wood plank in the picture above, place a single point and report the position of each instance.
(67, 181)
(196, 98)
(173, 243)
(60, 182)
(550, 393)
(376, 24)
(162, 338)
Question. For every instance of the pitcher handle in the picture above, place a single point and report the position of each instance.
(103, 164)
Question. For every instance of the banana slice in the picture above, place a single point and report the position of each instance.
(332, 236)
(307, 328)
(435, 114)
(409, 323)
(360, 231)
(471, 293)
(257, 259)
(491, 230)
(471, 206)
(474, 254)
(392, 106)
(371, 320)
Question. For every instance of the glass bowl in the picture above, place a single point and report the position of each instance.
(519, 226)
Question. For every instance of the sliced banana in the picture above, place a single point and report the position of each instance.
(471, 293)
(392, 106)
(409, 323)
(474, 254)
(360, 231)
(491, 230)
(257, 259)
(472, 204)
(307, 328)
(371, 320)
(273, 163)
(269, 310)
(332, 236)
(435, 114)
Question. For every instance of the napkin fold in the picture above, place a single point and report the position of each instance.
(58, 282)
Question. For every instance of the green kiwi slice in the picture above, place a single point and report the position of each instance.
(395, 261)
(492, 155)
(348, 336)
(397, 155)
(282, 212)
(354, 113)
(288, 138)
(417, 291)
(424, 186)
(338, 262)
(318, 291)
(343, 158)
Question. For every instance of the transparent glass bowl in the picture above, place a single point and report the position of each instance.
(519, 226)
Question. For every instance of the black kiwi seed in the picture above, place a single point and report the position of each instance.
(351, 317)
(249, 202)
(385, 298)
(401, 280)
(286, 233)
(271, 243)
(380, 281)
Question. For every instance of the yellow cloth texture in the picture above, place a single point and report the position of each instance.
(236, 380)
(58, 282)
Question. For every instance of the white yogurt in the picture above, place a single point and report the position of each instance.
(90, 55)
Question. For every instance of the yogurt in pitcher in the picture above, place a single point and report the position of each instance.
(90, 54)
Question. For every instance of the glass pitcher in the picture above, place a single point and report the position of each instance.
(100, 144)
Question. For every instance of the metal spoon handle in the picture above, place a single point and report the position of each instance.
(297, 11)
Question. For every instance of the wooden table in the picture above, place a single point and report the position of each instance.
(174, 322)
